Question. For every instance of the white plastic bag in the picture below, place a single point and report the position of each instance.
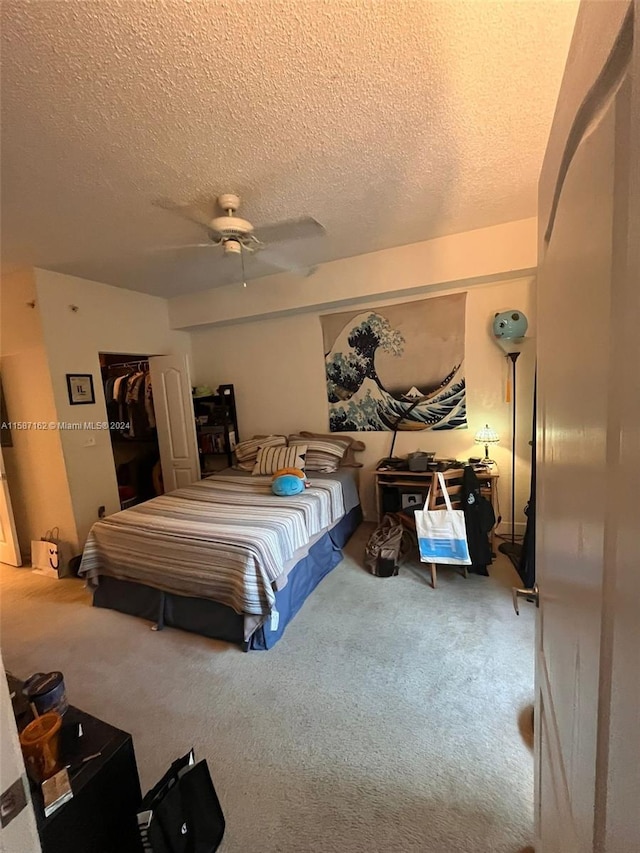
(442, 533)
(45, 555)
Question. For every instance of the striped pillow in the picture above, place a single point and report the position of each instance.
(247, 451)
(322, 456)
(272, 459)
(349, 459)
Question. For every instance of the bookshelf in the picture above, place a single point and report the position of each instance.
(216, 429)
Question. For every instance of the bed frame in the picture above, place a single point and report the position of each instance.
(215, 620)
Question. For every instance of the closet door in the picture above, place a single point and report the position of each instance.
(175, 420)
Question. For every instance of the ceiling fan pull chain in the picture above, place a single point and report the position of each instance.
(244, 280)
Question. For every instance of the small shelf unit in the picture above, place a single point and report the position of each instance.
(216, 429)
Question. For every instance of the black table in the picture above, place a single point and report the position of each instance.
(101, 816)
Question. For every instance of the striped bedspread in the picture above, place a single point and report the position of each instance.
(223, 538)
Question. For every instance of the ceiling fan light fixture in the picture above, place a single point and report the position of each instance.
(231, 225)
(232, 247)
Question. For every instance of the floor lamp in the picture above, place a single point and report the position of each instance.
(513, 357)
(509, 329)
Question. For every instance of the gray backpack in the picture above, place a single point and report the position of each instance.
(387, 547)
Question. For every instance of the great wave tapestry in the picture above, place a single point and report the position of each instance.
(398, 366)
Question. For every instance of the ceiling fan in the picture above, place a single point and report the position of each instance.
(238, 236)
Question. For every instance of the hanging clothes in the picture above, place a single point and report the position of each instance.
(527, 564)
(129, 400)
(136, 416)
(479, 518)
(148, 401)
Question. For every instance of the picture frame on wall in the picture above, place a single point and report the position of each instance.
(80, 388)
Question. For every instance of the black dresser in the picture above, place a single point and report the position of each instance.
(101, 815)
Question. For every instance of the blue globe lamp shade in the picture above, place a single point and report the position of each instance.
(509, 330)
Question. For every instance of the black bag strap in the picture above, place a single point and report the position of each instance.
(155, 795)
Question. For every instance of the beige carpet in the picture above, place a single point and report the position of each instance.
(385, 720)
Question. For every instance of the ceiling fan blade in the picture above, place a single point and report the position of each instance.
(208, 245)
(278, 259)
(292, 229)
(192, 212)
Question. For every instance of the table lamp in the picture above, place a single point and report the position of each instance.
(487, 436)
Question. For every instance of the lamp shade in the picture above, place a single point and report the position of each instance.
(509, 330)
(486, 435)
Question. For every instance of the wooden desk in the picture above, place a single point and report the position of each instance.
(391, 486)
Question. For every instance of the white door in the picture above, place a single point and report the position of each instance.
(175, 420)
(9, 549)
(588, 449)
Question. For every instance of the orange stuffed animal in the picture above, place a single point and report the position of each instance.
(295, 471)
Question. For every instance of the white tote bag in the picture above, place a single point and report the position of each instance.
(442, 533)
(45, 555)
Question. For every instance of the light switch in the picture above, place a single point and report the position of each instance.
(12, 801)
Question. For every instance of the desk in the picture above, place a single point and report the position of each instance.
(392, 487)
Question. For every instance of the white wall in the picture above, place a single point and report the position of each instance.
(277, 367)
(36, 471)
(107, 319)
(21, 835)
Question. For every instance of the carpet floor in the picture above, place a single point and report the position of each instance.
(388, 718)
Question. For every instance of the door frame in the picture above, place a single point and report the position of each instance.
(13, 557)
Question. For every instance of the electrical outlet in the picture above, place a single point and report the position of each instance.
(101, 512)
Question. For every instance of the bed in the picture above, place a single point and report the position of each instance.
(223, 557)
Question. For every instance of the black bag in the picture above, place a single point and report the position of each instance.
(387, 547)
(182, 813)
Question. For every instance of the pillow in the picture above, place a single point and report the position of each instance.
(271, 459)
(247, 451)
(353, 445)
(287, 484)
(321, 455)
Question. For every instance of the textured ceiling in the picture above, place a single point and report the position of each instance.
(389, 121)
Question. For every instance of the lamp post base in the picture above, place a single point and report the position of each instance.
(513, 550)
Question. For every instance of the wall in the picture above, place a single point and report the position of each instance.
(35, 464)
(107, 319)
(277, 367)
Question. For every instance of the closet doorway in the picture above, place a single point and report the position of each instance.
(134, 436)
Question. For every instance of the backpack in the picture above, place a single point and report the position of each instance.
(387, 547)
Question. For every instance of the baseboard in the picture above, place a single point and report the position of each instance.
(504, 528)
